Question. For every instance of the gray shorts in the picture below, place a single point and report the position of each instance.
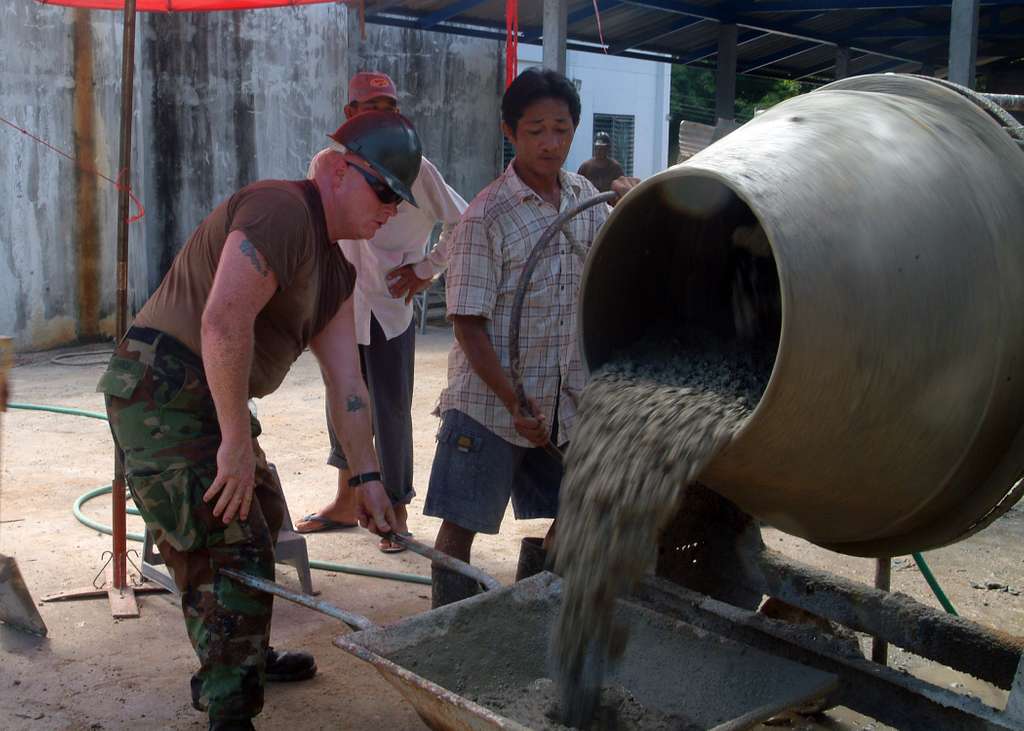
(476, 472)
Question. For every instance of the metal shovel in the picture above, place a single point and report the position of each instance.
(17, 608)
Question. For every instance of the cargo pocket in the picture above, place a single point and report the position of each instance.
(121, 378)
(184, 390)
(168, 501)
(186, 405)
(463, 451)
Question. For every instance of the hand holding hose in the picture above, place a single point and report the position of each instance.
(526, 405)
(530, 422)
(621, 186)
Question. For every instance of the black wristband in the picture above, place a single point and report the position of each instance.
(365, 477)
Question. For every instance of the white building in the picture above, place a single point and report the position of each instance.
(625, 97)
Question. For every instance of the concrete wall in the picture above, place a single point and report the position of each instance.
(231, 98)
(450, 87)
(221, 99)
(58, 79)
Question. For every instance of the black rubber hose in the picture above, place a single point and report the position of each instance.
(524, 284)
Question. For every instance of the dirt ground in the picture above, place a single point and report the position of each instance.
(93, 672)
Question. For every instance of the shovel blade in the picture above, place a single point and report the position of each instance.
(16, 606)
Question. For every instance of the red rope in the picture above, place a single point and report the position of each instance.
(600, 33)
(511, 41)
(116, 183)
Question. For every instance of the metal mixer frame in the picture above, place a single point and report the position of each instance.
(713, 569)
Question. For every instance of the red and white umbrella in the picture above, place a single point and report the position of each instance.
(180, 6)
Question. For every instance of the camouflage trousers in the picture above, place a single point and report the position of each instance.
(164, 422)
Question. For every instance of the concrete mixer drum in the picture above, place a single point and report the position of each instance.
(871, 235)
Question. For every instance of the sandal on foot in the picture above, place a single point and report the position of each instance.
(322, 524)
(386, 546)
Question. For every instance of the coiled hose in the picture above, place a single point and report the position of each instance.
(76, 509)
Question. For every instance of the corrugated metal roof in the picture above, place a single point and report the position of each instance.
(780, 38)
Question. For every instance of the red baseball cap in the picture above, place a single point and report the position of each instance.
(368, 85)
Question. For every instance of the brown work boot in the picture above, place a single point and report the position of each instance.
(532, 558)
(448, 587)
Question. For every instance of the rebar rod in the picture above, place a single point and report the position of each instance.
(445, 561)
(353, 620)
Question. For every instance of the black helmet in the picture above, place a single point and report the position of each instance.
(388, 142)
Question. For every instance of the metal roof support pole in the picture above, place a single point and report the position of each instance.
(963, 41)
(555, 25)
(842, 62)
(725, 80)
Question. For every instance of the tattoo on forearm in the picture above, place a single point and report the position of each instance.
(354, 403)
(250, 251)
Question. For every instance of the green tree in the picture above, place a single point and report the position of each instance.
(753, 93)
(693, 93)
(692, 97)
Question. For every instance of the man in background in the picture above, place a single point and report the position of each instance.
(601, 169)
(391, 268)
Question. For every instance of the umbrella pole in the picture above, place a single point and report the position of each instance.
(116, 587)
(122, 597)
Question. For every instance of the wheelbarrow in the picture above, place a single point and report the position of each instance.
(481, 663)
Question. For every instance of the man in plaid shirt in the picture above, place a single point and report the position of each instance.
(489, 450)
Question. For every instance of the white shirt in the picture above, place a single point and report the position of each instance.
(402, 240)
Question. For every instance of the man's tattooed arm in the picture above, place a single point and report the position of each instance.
(249, 250)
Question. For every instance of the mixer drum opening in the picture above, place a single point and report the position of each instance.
(687, 258)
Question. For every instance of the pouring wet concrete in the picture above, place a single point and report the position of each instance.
(96, 673)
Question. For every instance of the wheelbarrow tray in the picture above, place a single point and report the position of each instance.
(16, 606)
(456, 665)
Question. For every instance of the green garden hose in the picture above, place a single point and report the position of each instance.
(926, 572)
(342, 568)
(58, 410)
(76, 509)
(322, 565)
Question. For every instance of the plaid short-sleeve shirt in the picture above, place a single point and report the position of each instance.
(489, 248)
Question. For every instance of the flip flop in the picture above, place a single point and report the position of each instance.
(387, 546)
(324, 524)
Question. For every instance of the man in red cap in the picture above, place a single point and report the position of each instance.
(392, 267)
(259, 280)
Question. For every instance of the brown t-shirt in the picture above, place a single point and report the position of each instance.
(284, 220)
(601, 172)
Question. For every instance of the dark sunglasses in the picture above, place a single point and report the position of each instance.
(384, 194)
